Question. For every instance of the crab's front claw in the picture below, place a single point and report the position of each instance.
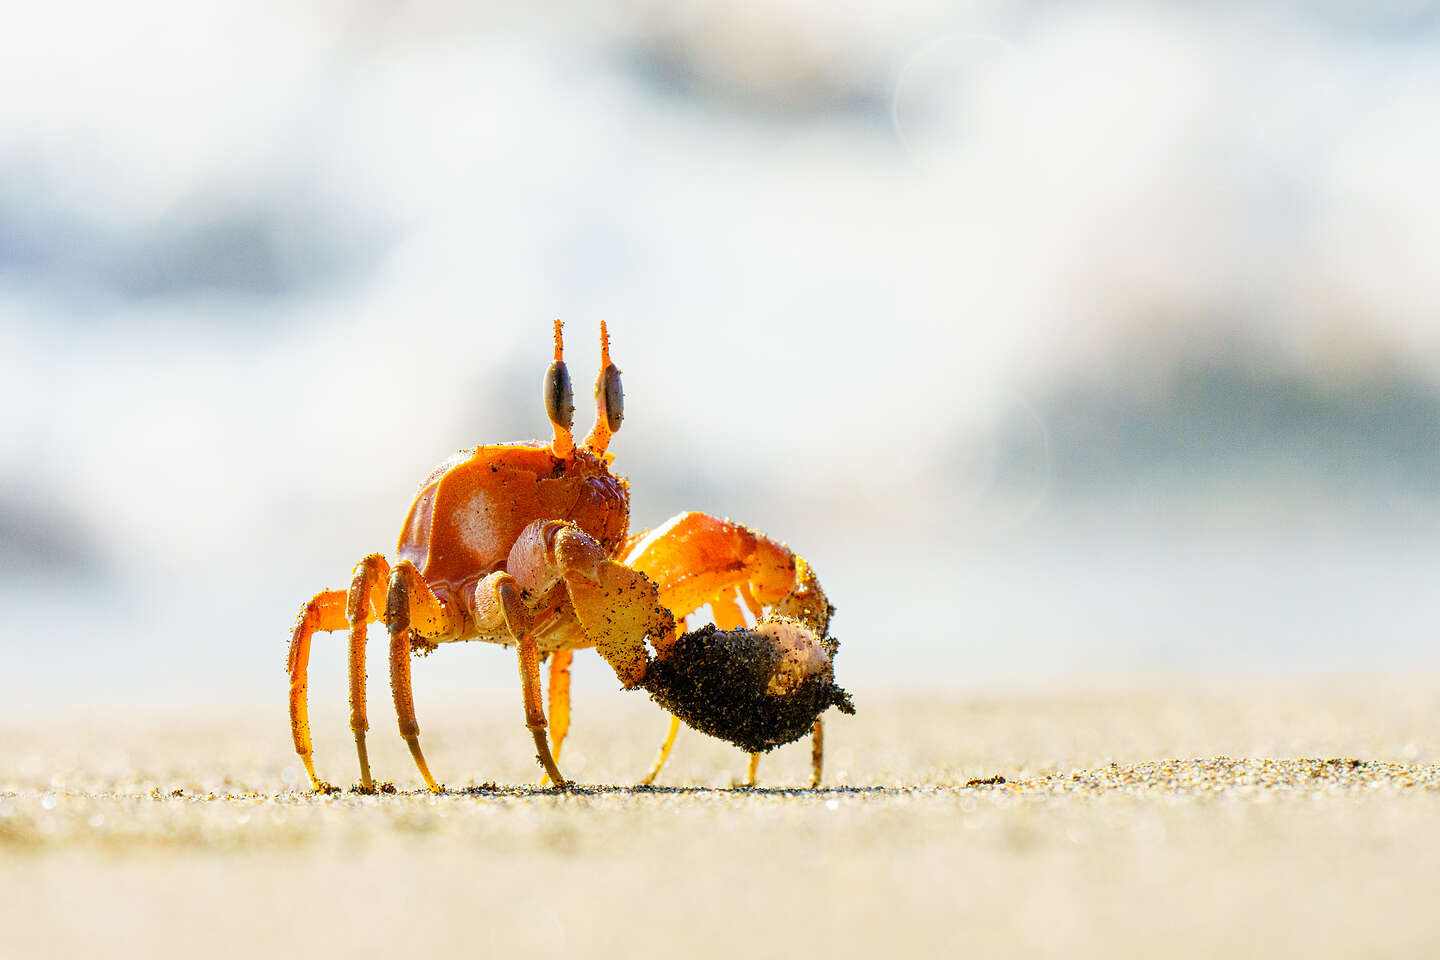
(757, 688)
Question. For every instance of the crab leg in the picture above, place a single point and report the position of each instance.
(411, 603)
(528, 654)
(728, 617)
(618, 608)
(817, 752)
(560, 697)
(498, 607)
(806, 603)
(750, 771)
(559, 702)
(405, 702)
(695, 558)
(324, 613)
(364, 602)
(663, 754)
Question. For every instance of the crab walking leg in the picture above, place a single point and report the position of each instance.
(411, 603)
(696, 558)
(728, 617)
(807, 603)
(528, 654)
(617, 607)
(405, 703)
(560, 697)
(324, 613)
(497, 604)
(817, 752)
(364, 603)
(663, 754)
(559, 702)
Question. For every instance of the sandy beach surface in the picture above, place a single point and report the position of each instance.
(1233, 820)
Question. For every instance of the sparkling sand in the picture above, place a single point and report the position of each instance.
(1125, 824)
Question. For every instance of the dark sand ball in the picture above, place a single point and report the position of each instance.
(719, 682)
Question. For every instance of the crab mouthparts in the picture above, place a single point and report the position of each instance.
(756, 688)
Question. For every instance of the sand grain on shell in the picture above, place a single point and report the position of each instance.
(1297, 821)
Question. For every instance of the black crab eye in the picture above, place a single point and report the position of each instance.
(559, 398)
(609, 392)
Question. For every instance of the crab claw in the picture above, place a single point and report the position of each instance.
(758, 688)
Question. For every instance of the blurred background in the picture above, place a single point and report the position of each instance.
(1074, 344)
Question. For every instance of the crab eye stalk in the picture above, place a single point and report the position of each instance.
(609, 399)
(560, 400)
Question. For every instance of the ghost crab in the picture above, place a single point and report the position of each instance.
(528, 545)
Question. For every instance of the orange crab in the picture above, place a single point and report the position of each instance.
(528, 544)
